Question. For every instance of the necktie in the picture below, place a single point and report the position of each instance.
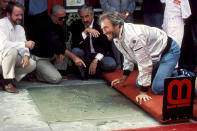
(12, 35)
(91, 45)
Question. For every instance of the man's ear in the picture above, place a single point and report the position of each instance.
(117, 26)
(8, 15)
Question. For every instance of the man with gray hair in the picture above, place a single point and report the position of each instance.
(50, 41)
(90, 44)
(150, 48)
(126, 9)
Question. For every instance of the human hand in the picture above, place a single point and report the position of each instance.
(123, 16)
(79, 62)
(25, 61)
(142, 96)
(117, 81)
(92, 68)
(61, 57)
(30, 44)
(93, 32)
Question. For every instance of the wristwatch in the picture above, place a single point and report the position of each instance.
(127, 14)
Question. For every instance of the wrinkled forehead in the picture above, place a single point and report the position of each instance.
(105, 22)
(85, 12)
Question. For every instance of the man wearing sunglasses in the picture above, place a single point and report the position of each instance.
(50, 41)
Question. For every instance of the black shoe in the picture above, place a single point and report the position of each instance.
(83, 73)
(185, 72)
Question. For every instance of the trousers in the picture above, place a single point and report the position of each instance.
(46, 71)
(10, 65)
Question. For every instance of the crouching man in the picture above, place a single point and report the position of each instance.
(14, 49)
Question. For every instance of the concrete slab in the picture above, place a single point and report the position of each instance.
(106, 125)
(70, 81)
(81, 102)
(19, 113)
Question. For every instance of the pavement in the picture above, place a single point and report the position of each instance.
(18, 112)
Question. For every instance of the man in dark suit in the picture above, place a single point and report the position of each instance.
(90, 44)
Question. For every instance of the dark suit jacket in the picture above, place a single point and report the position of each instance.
(49, 38)
(101, 44)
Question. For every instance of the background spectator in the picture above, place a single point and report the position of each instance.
(3, 4)
(124, 7)
(188, 58)
(153, 13)
(175, 13)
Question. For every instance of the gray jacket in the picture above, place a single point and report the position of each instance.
(142, 45)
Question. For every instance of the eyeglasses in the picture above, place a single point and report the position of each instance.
(61, 18)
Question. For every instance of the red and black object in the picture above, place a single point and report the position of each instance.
(178, 98)
(155, 106)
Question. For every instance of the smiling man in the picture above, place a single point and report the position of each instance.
(150, 48)
(14, 53)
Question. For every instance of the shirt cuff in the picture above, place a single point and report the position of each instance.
(83, 35)
(126, 72)
(27, 54)
(21, 44)
(99, 56)
(144, 88)
(24, 52)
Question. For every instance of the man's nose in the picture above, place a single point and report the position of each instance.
(20, 17)
(104, 32)
(85, 19)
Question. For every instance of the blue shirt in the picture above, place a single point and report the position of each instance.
(37, 6)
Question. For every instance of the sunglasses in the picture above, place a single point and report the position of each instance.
(61, 18)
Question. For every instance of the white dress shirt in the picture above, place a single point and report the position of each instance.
(12, 37)
(98, 56)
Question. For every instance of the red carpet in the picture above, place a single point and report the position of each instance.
(129, 89)
(177, 127)
(195, 110)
